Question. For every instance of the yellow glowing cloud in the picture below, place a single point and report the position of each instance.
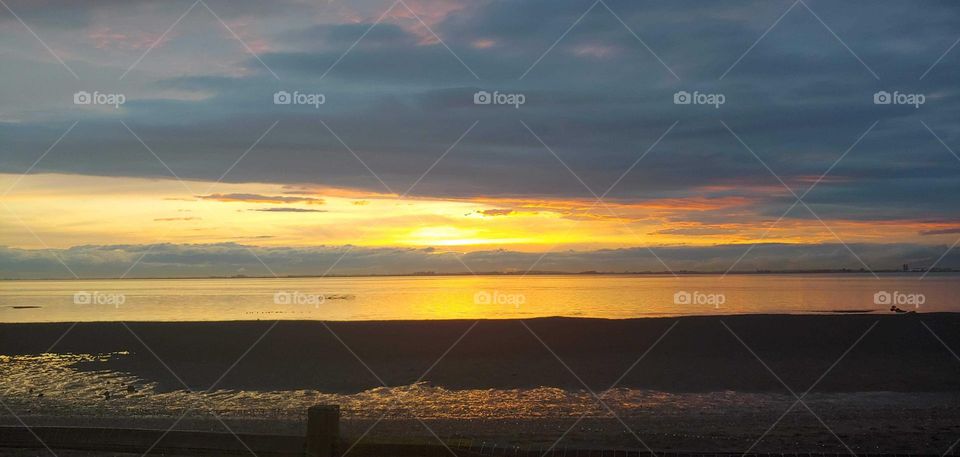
(51, 210)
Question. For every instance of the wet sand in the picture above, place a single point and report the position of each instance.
(700, 354)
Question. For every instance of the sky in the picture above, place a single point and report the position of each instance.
(144, 138)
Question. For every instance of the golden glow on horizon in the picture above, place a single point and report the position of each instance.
(70, 210)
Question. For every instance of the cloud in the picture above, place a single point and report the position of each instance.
(289, 210)
(496, 212)
(799, 99)
(945, 231)
(175, 219)
(257, 198)
(227, 259)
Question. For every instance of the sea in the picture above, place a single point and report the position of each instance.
(472, 297)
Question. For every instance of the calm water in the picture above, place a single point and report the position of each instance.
(467, 297)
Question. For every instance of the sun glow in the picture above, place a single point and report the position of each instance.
(69, 210)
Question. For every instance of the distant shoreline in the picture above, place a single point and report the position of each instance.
(532, 273)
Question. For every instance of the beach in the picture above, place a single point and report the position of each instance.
(710, 383)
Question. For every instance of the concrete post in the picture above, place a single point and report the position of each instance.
(323, 430)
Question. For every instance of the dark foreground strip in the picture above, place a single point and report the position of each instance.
(192, 443)
(139, 441)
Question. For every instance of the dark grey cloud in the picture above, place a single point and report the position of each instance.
(226, 259)
(599, 99)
